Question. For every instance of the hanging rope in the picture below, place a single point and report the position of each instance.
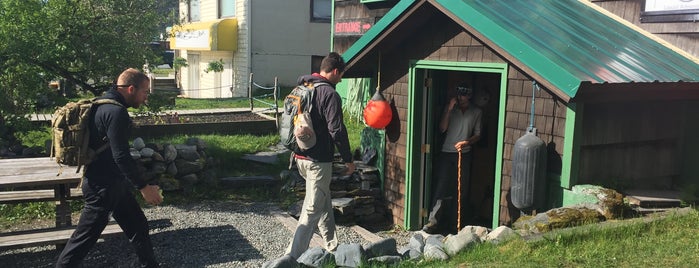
(535, 88)
(378, 75)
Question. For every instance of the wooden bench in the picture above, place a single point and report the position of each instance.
(13, 197)
(49, 236)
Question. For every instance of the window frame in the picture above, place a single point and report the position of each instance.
(667, 15)
(189, 10)
(220, 10)
(324, 20)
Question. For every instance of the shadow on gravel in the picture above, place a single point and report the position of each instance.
(204, 246)
(193, 247)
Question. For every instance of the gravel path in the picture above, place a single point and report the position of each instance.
(206, 234)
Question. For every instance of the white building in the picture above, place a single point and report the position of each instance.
(270, 38)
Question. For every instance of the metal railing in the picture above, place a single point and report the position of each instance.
(261, 98)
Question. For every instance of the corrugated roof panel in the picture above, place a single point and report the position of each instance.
(554, 37)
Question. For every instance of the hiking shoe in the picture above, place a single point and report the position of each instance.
(430, 228)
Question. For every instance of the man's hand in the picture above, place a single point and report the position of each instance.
(350, 168)
(460, 145)
(452, 104)
(151, 193)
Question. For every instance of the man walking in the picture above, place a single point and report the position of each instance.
(315, 164)
(107, 185)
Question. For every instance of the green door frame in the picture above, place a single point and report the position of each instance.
(416, 112)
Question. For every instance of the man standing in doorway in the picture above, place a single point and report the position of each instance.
(107, 183)
(315, 164)
(462, 123)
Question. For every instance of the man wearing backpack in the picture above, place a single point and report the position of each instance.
(107, 183)
(315, 163)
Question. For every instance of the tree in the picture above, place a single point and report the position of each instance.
(84, 42)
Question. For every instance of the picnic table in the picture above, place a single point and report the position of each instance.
(24, 180)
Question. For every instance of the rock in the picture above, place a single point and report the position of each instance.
(135, 154)
(155, 146)
(349, 255)
(558, 218)
(171, 169)
(461, 241)
(480, 231)
(383, 247)
(158, 157)
(610, 203)
(169, 153)
(501, 234)
(417, 242)
(343, 205)
(410, 253)
(159, 167)
(138, 143)
(147, 152)
(433, 252)
(316, 257)
(285, 261)
(386, 259)
(434, 248)
(188, 153)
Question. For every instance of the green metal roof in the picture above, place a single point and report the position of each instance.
(566, 42)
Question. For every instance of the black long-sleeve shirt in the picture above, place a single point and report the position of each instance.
(115, 163)
(328, 123)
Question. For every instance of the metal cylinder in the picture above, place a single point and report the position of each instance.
(528, 172)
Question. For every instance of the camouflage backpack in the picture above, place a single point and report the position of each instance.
(71, 133)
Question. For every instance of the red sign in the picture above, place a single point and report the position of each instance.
(351, 27)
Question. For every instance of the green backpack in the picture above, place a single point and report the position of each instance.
(71, 133)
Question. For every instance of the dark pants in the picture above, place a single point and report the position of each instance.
(100, 201)
(444, 187)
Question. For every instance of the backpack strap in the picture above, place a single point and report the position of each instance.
(96, 102)
(313, 86)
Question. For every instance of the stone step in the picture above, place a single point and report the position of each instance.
(653, 198)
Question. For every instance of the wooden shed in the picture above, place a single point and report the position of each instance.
(617, 105)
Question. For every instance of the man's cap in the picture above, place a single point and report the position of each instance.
(305, 137)
(463, 90)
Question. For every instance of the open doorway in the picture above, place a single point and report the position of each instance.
(477, 197)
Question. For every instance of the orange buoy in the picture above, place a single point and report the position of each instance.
(378, 113)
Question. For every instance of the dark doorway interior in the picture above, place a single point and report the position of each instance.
(477, 198)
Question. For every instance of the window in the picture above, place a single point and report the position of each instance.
(194, 14)
(226, 8)
(670, 11)
(315, 63)
(321, 10)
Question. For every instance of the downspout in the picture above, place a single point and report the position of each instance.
(248, 40)
(332, 25)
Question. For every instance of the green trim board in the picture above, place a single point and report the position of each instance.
(410, 216)
(500, 147)
(415, 133)
(571, 145)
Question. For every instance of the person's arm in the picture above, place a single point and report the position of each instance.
(118, 125)
(336, 126)
(444, 122)
(475, 137)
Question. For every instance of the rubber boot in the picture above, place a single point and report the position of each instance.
(433, 223)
